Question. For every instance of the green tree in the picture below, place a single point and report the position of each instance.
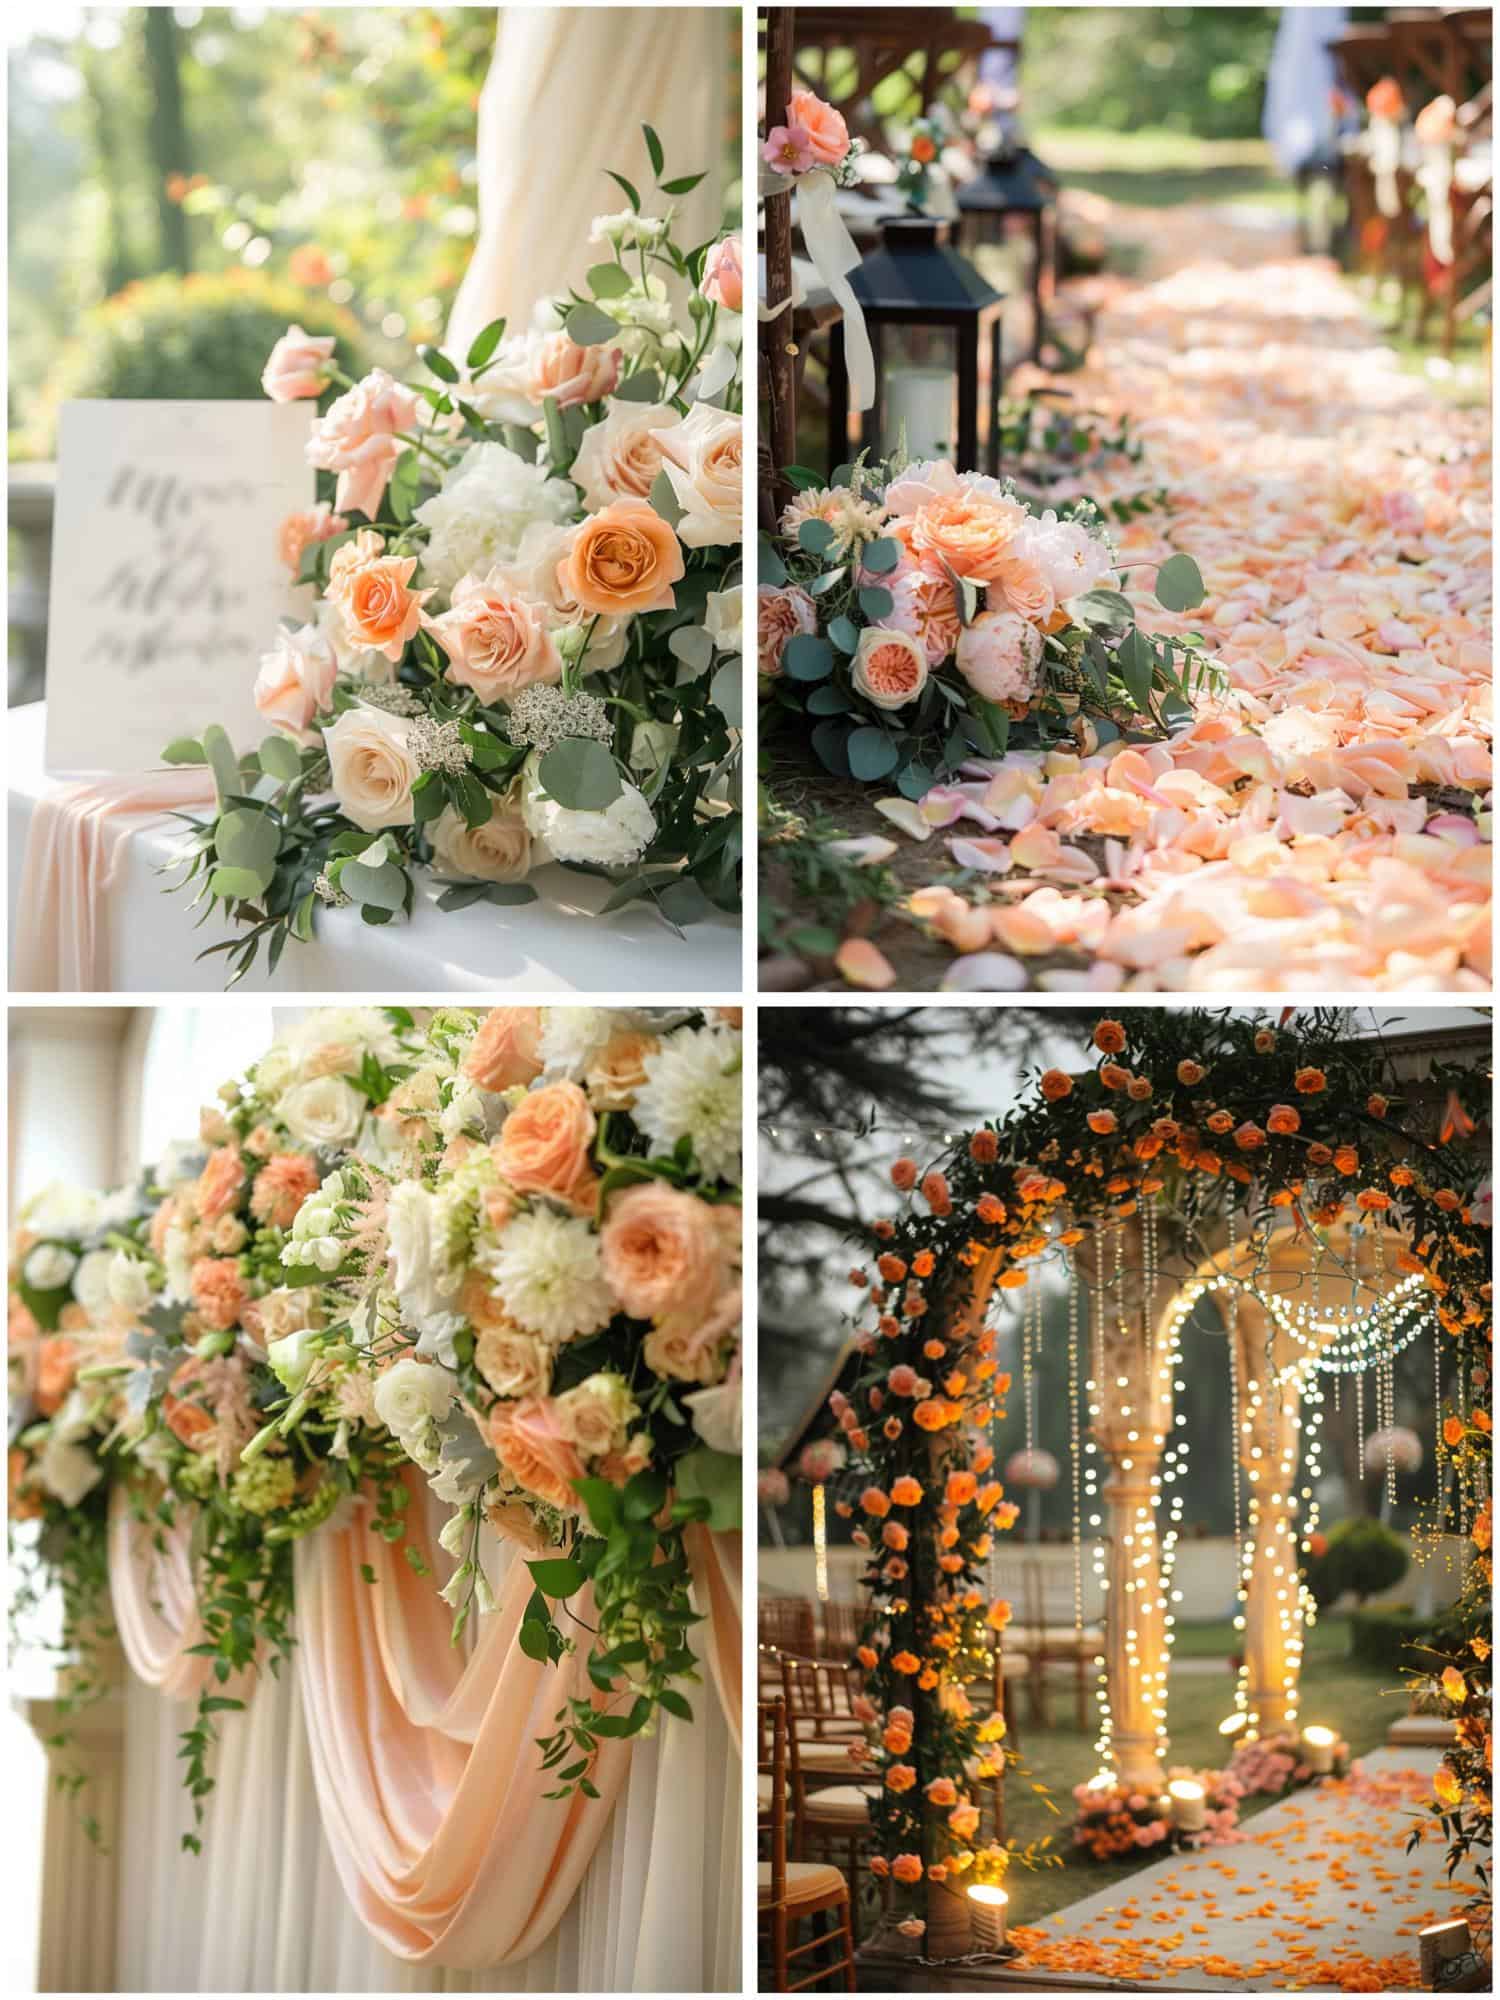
(170, 151)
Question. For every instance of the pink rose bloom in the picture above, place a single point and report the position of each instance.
(298, 532)
(297, 365)
(826, 131)
(903, 1380)
(925, 607)
(296, 679)
(789, 149)
(219, 1184)
(783, 614)
(998, 655)
(529, 1442)
(820, 1460)
(571, 374)
(356, 438)
(497, 642)
(723, 280)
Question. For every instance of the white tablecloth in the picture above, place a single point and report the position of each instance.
(555, 945)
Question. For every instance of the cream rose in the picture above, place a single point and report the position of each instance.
(412, 1394)
(890, 667)
(498, 851)
(295, 680)
(514, 1363)
(704, 459)
(596, 1415)
(620, 457)
(373, 768)
(497, 641)
(326, 1111)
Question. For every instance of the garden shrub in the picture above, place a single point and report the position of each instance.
(1360, 1555)
(1384, 1637)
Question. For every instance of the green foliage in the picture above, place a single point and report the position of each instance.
(1361, 1555)
(1190, 69)
(186, 337)
(1383, 1638)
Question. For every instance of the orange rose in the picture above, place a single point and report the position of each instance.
(894, 1536)
(868, 1658)
(1113, 1077)
(1284, 1118)
(874, 1502)
(1373, 1199)
(1102, 1122)
(904, 1174)
(1249, 1137)
(529, 1442)
(942, 1792)
(930, 1415)
(907, 1868)
(1376, 1105)
(1138, 1090)
(370, 589)
(623, 560)
(1110, 1037)
(1056, 1084)
(900, 1778)
(907, 1492)
(923, 1264)
(905, 1663)
(1346, 1159)
(990, 1208)
(891, 1267)
(1310, 1082)
(1190, 1073)
(1220, 1121)
(984, 1147)
(543, 1147)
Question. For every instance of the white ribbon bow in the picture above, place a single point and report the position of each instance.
(831, 248)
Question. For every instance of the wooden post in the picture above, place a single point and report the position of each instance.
(777, 347)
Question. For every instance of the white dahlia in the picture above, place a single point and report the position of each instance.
(693, 1089)
(546, 1268)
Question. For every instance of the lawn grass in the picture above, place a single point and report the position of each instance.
(1361, 1702)
(1158, 169)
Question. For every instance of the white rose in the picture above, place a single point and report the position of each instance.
(291, 1358)
(373, 767)
(498, 851)
(324, 1112)
(274, 1071)
(724, 619)
(412, 1394)
(597, 1413)
(716, 1415)
(613, 838)
(68, 1471)
(889, 688)
(49, 1267)
(91, 1284)
(704, 461)
(619, 458)
(130, 1286)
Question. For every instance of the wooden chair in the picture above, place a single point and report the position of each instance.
(843, 1623)
(830, 1793)
(787, 1624)
(1054, 1641)
(787, 1892)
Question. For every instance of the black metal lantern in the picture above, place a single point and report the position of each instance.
(1014, 181)
(928, 312)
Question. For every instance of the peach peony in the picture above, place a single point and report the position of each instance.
(968, 531)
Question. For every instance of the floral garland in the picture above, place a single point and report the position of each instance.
(915, 616)
(500, 1251)
(526, 638)
(1212, 1113)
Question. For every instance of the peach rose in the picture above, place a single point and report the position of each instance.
(528, 1441)
(513, 1520)
(219, 1184)
(661, 1251)
(690, 1346)
(282, 1185)
(623, 560)
(373, 770)
(496, 641)
(543, 1147)
(298, 365)
(300, 531)
(618, 1072)
(558, 367)
(188, 1421)
(370, 589)
(505, 1051)
(620, 457)
(295, 679)
(723, 280)
(356, 439)
(783, 615)
(514, 1363)
(56, 1370)
(889, 668)
(827, 134)
(968, 531)
(703, 458)
(498, 851)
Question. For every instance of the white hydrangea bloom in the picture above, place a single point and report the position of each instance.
(487, 503)
(613, 838)
(546, 1267)
(693, 1088)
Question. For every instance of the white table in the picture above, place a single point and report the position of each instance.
(555, 945)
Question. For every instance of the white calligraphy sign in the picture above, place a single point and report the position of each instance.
(166, 581)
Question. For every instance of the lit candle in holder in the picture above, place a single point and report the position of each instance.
(1233, 1724)
(987, 1906)
(921, 399)
(1317, 1749)
(1187, 1805)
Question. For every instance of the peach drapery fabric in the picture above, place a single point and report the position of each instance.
(75, 846)
(425, 1762)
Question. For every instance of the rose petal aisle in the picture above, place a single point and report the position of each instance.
(1327, 824)
(402, 1407)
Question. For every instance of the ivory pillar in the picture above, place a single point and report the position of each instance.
(80, 1875)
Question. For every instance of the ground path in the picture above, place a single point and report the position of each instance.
(1317, 1894)
(1319, 828)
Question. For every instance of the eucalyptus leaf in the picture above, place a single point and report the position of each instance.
(384, 888)
(805, 658)
(608, 281)
(1179, 584)
(872, 754)
(664, 500)
(580, 774)
(280, 758)
(876, 602)
(589, 327)
(642, 387)
(844, 634)
(815, 537)
(184, 750)
(881, 556)
(692, 645)
(726, 691)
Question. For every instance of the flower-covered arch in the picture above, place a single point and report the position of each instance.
(1196, 1150)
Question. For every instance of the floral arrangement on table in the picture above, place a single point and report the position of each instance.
(524, 637)
(499, 1252)
(1203, 1114)
(914, 618)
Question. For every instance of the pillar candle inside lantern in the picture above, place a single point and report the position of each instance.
(1317, 1749)
(1188, 1810)
(921, 400)
(987, 1906)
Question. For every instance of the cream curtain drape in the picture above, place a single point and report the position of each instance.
(565, 97)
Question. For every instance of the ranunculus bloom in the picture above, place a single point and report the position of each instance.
(889, 667)
(497, 642)
(372, 592)
(827, 134)
(723, 280)
(544, 1148)
(504, 1053)
(298, 365)
(528, 1440)
(373, 770)
(623, 560)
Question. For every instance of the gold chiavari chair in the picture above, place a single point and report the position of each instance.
(790, 1891)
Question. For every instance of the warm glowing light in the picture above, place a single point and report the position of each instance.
(1232, 1725)
(1184, 1788)
(987, 1907)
